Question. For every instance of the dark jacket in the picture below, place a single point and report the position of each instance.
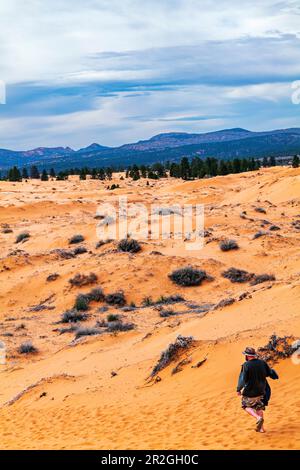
(253, 376)
(267, 394)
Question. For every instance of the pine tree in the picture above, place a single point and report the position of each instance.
(185, 168)
(52, 173)
(34, 173)
(25, 174)
(101, 174)
(159, 169)
(82, 174)
(223, 168)
(272, 161)
(109, 173)
(236, 165)
(175, 170)
(296, 161)
(197, 168)
(134, 173)
(14, 174)
(143, 171)
(211, 166)
(44, 176)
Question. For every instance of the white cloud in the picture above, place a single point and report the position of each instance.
(196, 62)
(42, 39)
(273, 92)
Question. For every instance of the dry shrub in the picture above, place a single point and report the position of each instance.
(82, 302)
(22, 237)
(228, 245)
(189, 276)
(80, 250)
(129, 245)
(278, 348)
(52, 277)
(87, 332)
(115, 326)
(116, 298)
(173, 351)
(73, 316)
(96, 295)
(237, 275)
(260, 278)
(76, 239)
(261, 210)
(80, 280)
(27, 348)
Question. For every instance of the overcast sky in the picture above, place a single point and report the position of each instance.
(116, 71)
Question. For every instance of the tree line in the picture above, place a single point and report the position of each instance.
(200, 168)
(186, 169)
(15, 174)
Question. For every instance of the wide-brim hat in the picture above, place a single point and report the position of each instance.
(250, 352)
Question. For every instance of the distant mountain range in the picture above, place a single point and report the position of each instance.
(225, 144)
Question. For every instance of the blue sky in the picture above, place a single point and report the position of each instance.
(112, 71)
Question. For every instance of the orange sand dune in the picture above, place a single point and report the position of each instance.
(66, 397)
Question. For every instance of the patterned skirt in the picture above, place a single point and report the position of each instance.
(253, 402)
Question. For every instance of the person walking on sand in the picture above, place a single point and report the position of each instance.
(252, 386)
